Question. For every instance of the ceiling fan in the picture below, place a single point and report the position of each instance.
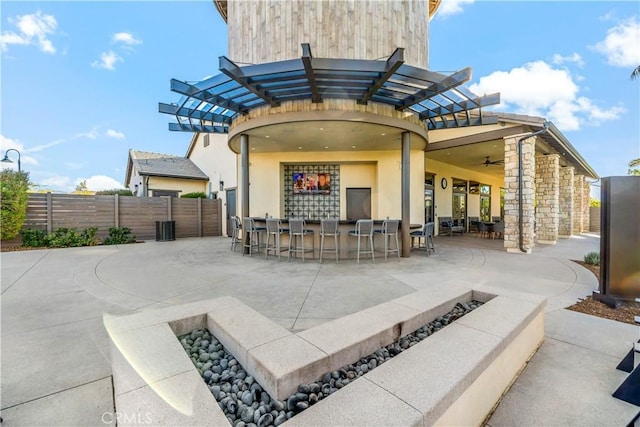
(488, 162)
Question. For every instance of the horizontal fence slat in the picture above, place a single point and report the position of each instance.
(137, 213)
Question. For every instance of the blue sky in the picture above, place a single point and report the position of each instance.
(81, 81)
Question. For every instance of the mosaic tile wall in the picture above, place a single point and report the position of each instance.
(317, 205)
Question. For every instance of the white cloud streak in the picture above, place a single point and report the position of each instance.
(108, 61)
(621, 46)
(100, 182)
(452, 7)
(114, 134)
(538, 89)
(32, 29)
(126, 39)
(574, 58)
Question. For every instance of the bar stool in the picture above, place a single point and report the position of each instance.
(252, 235)
(390, 229)
(297, 230)
(236, 232)
(329, 228)
(364, 229)
(274, 229)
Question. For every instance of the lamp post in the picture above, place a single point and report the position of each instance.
(6, 158)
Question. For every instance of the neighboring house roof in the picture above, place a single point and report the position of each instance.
(164, 165)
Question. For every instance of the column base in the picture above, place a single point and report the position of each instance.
(518, 251)
(546, 242)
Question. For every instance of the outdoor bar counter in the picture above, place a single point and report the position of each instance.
(345, 226)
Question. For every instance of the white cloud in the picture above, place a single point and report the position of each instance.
(57, 183)
(107, 61)
(126, 39)
(114, 134)
(573, 58)
(33, 28)
(621, 46)
(100, 182)
(8, 143)
(452, 7)
(537, 89)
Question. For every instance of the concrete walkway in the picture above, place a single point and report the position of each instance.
(55, 357)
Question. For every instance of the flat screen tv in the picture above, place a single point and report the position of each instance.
(311, 183)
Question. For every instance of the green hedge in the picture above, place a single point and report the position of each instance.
(71, 237)
(13, 202)
(196, 195)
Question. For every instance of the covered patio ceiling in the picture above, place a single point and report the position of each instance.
(437, 99)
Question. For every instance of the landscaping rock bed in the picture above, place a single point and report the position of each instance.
(245, 403)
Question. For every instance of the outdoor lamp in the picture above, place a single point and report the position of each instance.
(221, 185)
(6, 158)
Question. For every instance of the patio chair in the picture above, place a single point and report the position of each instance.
(483, 229)
(251, 236)
(498, 229)
(425, 233)
(473, 224)
(447, 226)
(363, 230)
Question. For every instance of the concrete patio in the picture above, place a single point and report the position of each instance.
(55, 354)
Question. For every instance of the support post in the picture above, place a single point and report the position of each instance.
(199, 217)
(244, 159)
(406, 194)
(116, 210)
(49, 213)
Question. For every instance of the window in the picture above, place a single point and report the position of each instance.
(206, 140)
(485, 202)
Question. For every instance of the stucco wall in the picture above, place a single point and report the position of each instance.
(379, 170)
(182, 185)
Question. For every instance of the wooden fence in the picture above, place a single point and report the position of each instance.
(193, 217)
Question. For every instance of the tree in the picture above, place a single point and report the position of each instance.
(634, 167)
(13, 202)
(82, 186)
(636, 73)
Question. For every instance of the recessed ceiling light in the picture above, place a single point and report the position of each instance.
(299, 148)
(382, 134)
(353, 146)
(253, 148)
(321, 128)
(267, 136)
(326, 146)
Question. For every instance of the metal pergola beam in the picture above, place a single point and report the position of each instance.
(393, 63)
(307, 58)
(193, 113)
(182, 127)
(234, 72)
(436, 88)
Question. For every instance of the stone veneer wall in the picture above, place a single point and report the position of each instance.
(578, 209)
(511, 212)
(547, 197)
(565, 216)
(262, 31)
(586, 205)
(314, 205)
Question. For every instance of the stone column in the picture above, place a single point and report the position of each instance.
(565, 225)
(578, 193)
(511, 197)
(586, 204)
(547, 198)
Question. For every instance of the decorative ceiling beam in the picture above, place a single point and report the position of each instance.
(182, 127)
(235, 73)
(436, 88)
(193, 113)
(393, 63)
(307, 58)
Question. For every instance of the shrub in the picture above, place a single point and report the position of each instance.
(65, 238)
(34, 238)
(13, 202)
(119, 192)
(195, 195)
(119, 236)
(592, 258)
